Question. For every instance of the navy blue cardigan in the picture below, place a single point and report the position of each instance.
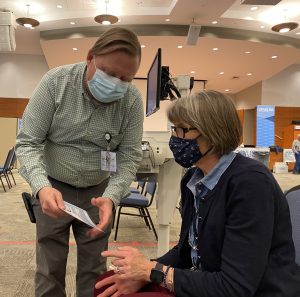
(245, 238)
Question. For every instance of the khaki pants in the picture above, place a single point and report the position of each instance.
(52, 245)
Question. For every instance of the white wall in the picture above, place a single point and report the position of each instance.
(283, 89)
(19, 74)
(249, 98)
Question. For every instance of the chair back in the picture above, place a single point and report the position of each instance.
(150, 189)
(141, 184)
(13, 159)
(8, 160)
(293, 198)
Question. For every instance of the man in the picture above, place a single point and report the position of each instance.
(81, 138)
(296, 151)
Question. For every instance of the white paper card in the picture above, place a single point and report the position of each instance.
(78, 213)
(108, 161)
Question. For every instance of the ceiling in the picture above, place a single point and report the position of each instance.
(242, 36)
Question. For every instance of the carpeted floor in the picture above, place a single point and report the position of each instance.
(17, 240)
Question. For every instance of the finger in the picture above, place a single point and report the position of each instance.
(59, 201)
(119, 262)
(114, 253)
(109, 291)
(117, 294)
(95, 232)
(105, 282)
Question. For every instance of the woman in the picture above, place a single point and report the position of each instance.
(236, 235)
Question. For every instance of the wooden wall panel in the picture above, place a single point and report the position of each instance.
(12, 107)
(283, 118)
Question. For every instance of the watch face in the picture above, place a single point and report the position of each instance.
(156, 276)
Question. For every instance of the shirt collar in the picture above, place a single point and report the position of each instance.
(212, 178)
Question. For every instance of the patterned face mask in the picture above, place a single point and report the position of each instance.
(186, 151)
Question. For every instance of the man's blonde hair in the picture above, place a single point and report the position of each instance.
(117, 39)
(213, 114)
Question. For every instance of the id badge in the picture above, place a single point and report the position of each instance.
(108, 161)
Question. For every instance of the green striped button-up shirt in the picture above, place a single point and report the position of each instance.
(63, 134)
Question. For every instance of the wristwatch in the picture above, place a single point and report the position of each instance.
(157, 274)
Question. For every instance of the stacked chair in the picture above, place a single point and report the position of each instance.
(6, 169)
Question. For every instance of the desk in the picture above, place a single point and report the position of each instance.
(261, 154)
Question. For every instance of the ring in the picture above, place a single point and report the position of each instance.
(117, 270)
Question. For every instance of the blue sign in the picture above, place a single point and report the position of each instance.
(265, 128)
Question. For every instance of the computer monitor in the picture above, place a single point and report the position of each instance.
(154, 85)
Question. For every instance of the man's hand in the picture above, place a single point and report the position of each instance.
(105, 206)
(51, 202)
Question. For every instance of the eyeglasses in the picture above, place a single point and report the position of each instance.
(180, 132)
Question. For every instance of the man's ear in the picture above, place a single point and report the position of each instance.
(90, 57)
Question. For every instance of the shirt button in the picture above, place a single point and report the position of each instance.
(202, 199)
(200, 218)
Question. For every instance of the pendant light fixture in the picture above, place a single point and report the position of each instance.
(106, 19)
(27, 21)
(285, 26)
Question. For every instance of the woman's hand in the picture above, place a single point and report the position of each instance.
(131, 263)
(118, 286)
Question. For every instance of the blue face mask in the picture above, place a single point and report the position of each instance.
(106, 88)
(186, 151)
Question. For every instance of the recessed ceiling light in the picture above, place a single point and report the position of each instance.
(142, 46)
(227, 90)
(262, 27)
(274, 57)
(222, 72)
(247, 52)
(253, 8)
(248, 18)
(215, 49)
(193, 71)
(72, 23)
(298, 33)
(179, 46)
(249, 74)
(74, 49)
(167, 20)
(214, 22)
(59, 6)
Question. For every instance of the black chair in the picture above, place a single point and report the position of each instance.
(293, 198)
(140, 202)
(11, 166)
(4, 171)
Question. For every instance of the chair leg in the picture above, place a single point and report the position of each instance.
(7, 180)
(117, 227)
(144, 216)
(2, 184)
(13, 177)
(113, 218)
(149, 217)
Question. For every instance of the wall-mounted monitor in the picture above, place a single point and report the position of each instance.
(154, 85)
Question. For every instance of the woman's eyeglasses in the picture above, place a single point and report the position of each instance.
(180, 132)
